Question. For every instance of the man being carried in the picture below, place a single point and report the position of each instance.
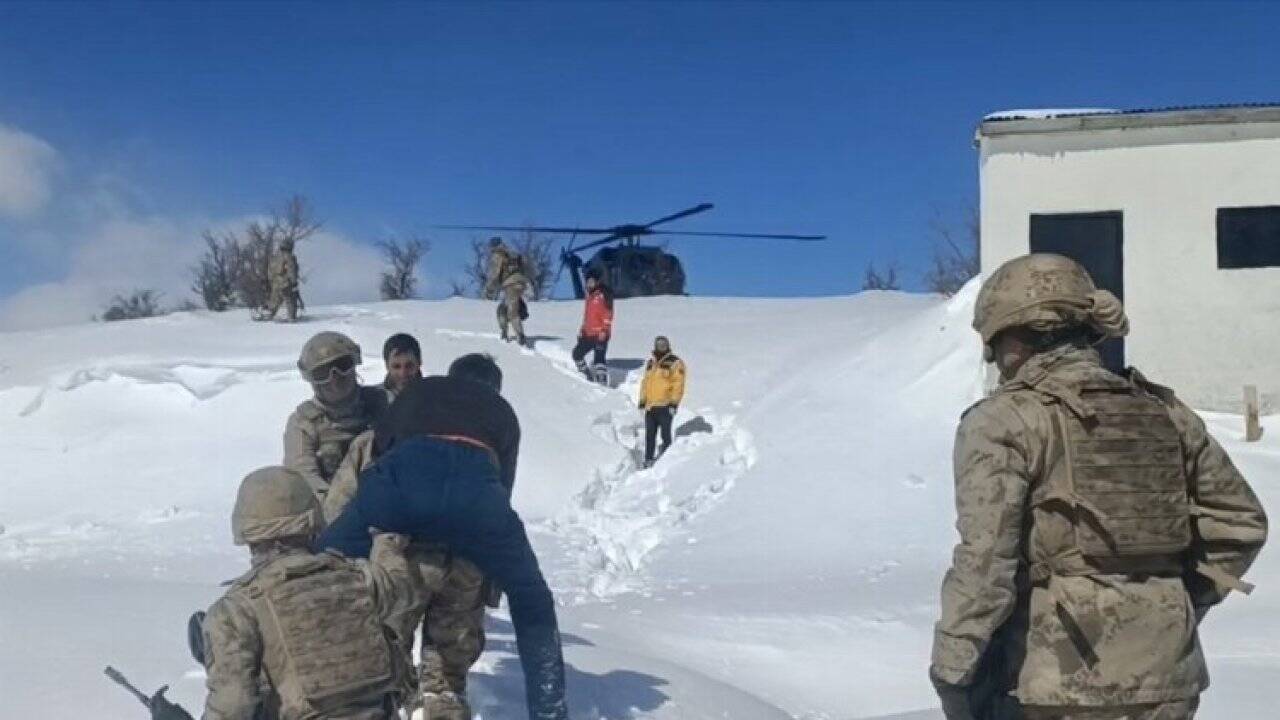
(597, 327)
(445, 464)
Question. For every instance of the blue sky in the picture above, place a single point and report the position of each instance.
(851, 119)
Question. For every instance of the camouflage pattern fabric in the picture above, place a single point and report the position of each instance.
(451, 614)
(512, 296)
(316, 437)
(284, 284)
(1063, 626)
(294, 618)
(1180, 710)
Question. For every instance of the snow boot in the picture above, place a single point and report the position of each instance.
(600, 374)
(446, 705)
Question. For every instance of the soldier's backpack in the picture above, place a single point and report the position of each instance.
(331, 649)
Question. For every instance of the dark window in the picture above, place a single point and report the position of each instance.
(1249, 237)
(1096, 241)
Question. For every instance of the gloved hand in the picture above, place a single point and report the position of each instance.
(673, 409)
(163, 709)
(955, 699)
(640, 404)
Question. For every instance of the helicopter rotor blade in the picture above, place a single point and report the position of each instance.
(807, 238)
(683, 213)
(612, 237)
(529, 228)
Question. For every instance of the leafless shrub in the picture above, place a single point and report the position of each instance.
(400, 280)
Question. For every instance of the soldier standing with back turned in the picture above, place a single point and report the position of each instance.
(319, 628)
(1098, 520)
(506, 272)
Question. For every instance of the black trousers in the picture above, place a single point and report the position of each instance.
(585, 345)
(655, 420)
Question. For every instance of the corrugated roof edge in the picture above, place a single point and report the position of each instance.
(1036, 114)
(1126, 119)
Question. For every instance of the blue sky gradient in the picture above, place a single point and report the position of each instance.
(849, 119)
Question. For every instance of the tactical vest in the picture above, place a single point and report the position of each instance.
(333, 437)
(325, 648)
(1116, 477)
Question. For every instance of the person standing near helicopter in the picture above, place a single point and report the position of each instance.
(597, 327)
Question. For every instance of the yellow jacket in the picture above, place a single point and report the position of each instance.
(663, 382)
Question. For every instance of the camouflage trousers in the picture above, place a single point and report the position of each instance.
(287, 296)
(1177, 710)
(509, 311)
(452, 620)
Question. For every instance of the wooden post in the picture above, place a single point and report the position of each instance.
(1252, 427)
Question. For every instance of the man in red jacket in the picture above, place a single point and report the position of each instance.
(597, 324)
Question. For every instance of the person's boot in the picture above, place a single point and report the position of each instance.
(600, 373)
(582, 368)
(524, 341)
(446, 705)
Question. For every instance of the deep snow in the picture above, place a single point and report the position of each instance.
(781, 561)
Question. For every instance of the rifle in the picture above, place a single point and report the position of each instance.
(161, 707)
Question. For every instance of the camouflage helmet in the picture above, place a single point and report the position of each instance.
(325, 347)
(1045, 292)
(274, 502)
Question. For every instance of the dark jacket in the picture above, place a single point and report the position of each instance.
(449, 492)
(442, 405)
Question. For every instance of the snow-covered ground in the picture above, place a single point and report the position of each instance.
(782, 561)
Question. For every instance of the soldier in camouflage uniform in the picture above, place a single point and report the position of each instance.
(303, 636)
(1098, 520)
(284, 283)
(320, 429)
(506, 272)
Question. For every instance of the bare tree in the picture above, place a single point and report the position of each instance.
(475, 272)
(955, 253)
(400, 279)
(216, 275)
(538, 260)
(875, 280)
(141, 303)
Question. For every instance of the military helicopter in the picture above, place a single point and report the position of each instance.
(629, 268)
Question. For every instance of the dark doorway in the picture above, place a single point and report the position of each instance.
(1095, 240)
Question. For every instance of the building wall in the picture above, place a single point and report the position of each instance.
(1203, 331)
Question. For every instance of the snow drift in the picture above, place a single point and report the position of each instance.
(781, 561)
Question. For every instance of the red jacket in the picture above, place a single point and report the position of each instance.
(597, 317)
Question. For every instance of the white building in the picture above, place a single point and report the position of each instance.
(1176, 211)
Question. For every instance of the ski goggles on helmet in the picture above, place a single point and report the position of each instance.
(322, 374)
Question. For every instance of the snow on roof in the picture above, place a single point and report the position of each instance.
(1038, 114)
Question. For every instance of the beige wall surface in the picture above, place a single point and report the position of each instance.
(1205, 332)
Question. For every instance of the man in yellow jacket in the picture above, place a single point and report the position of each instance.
(660, 394)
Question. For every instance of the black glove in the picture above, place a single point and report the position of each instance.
(163, 709)
(673, 409)
(955, 699)
(640, 404)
